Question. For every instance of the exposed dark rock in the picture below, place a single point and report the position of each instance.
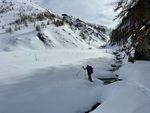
(110, 80)
(44, 39)
(93, 108)
(64, 15)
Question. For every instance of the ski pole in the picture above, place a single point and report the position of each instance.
(79, 72)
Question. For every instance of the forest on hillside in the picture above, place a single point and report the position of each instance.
(133, 31)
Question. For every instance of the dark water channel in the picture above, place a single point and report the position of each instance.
(115, 67)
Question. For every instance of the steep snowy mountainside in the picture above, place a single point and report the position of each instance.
(10, 10)
(93, 30)
(26, 24)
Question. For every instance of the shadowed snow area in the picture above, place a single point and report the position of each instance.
(44, 82)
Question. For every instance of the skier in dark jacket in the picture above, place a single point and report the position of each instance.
(89, 71)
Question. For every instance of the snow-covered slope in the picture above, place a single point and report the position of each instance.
(132, 94)
(10, 10)
(26, 19)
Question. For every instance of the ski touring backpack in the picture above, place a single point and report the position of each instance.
(90, 68)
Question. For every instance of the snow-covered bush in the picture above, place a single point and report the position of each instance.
(8, 30)
(43, 25)
(38, 28)
(58, 23)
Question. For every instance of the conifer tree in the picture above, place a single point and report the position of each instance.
(134, 23)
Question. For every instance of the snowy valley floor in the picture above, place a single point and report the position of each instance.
(46, 82)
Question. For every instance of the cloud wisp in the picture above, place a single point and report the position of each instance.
(95, 11)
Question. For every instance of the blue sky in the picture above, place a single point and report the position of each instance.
(95, 11)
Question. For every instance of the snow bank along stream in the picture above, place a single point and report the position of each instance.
(109, 77)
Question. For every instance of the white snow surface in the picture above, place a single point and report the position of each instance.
(47, 81)
(16, 7)
(132, 95)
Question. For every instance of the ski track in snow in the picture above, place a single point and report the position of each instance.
(144, 89)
